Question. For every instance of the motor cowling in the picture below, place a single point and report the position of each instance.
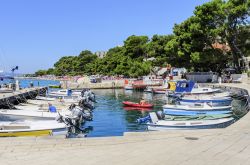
(160, 115)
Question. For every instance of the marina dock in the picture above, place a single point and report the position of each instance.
(8, 99)
(185, 147)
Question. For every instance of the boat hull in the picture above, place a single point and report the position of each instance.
(137, 109)
(31, 128)
(213, 102)
(195, 112)
(197, 117)
(221, 123)
(128, 87)
(159, 91)
(33, 133)
(132, 104)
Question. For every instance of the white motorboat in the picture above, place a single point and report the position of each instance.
(31, 128)
(6, 90)
(64, 99)
(197, 109)
(45, 103)
(211, 99)
(157, 124)
(64, 92)
(128, 87)
(30, 114)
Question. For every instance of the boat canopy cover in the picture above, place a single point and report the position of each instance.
(184, 86)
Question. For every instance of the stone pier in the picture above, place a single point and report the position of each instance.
(8, 99)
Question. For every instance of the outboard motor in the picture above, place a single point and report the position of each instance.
(84, 104)
(160, 115)
(72, 106)
(59, 118)
(91, 96)
(83, 92)
(87, 115)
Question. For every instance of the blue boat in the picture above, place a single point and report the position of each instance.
(214, 101)
(194, 113)
(198, 109)
(190, 88)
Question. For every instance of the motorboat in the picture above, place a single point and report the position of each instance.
(65, 99)
(43, 105)
(159, 91)
(169, 86)
(45, 98)
(185, 87)
(156, 124)
(197, 117)
(31, 128)
(30, 114)
(197, 109)
(128, 87)
(212, 100)
(162, 116)
(64, 92)
(6, 90)
(148, 89)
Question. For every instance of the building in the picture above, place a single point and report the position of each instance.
(101, 54)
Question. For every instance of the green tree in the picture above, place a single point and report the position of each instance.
(135, 46)
(156, 49)
(237, 13)
(41, 72)
(50, 71)
(210, 24)
(66, 66)
(243, 41)
(84, 60)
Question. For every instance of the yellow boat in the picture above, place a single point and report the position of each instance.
(31, 128)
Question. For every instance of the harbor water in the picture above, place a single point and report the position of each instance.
(111, 118)
(24, 83)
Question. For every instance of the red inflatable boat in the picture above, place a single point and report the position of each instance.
(132, 104)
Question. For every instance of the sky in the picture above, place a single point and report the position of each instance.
(34, 34)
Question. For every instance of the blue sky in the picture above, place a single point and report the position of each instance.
(34, 34)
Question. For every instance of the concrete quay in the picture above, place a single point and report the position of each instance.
(110, 84)
(190, 147)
